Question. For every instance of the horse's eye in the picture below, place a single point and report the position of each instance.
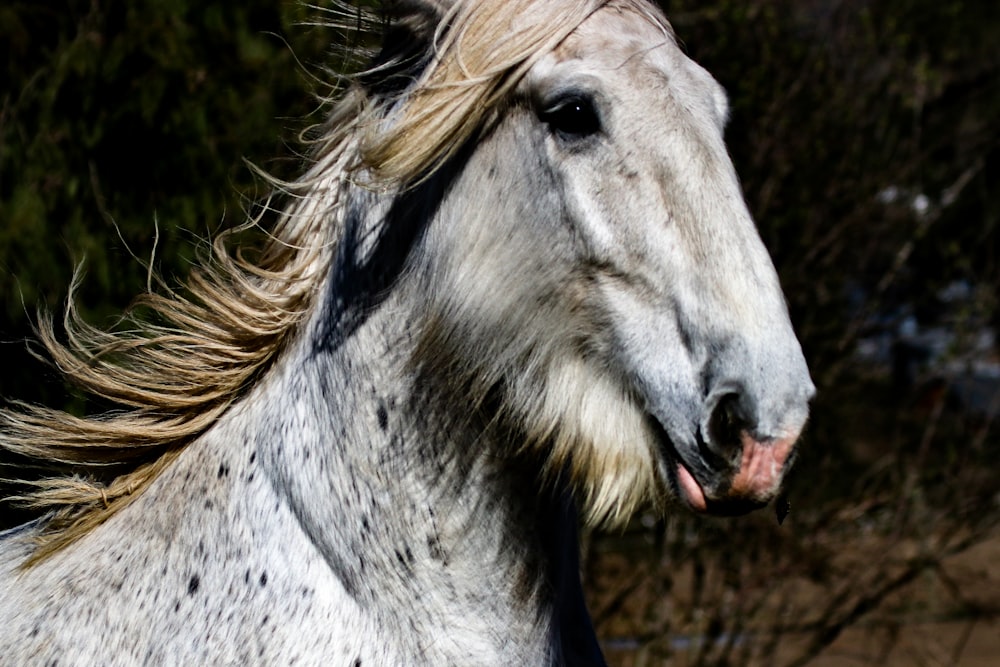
(572, 117)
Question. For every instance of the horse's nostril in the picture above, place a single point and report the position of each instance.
(725, 425)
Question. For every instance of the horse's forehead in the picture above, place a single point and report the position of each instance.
(632, 51)
(615, 38)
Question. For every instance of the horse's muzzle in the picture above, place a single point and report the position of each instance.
(751, 484)
(739, 469)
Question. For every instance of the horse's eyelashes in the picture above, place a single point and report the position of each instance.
(572, 117)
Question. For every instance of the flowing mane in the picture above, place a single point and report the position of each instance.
(187, 356)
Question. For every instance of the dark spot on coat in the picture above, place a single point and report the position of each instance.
(405, 558)
(436, 551)
(193, 584)
(263, 578)
(223, 470)
(383, 417)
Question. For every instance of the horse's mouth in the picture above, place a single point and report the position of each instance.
(683, 481)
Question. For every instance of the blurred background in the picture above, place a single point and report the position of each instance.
(867, 137)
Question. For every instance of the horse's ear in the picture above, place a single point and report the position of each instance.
(421, 17)
(407, 45)
(413, 21)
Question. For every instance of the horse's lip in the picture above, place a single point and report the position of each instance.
(686, 486)
(678, 473)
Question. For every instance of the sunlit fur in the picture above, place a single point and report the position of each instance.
(503, 320)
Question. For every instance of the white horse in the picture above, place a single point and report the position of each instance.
(518, 279)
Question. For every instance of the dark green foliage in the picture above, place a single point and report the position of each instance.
(122, 117)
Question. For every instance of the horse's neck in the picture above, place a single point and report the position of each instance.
(412, 510)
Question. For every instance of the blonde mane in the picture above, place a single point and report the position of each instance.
(186, 356)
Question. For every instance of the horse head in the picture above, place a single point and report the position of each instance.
(595, 264)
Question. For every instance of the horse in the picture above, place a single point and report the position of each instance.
(516, 289)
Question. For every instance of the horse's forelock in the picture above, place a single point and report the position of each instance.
(475, 55)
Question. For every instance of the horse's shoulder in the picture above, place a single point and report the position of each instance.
(201, 586)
